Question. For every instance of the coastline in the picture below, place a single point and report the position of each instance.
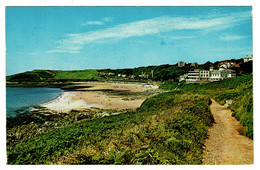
(106, 96)
(87, 102)
(64, 103)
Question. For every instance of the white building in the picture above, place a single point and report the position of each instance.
(183, 77)
(193, 76)
(207, 75)
(226, 65)
(228, 73)
(248, 58)
(216, 75)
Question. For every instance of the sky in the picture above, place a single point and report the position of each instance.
(78, 38)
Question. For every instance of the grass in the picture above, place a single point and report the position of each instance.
(169, 128)
(36, 75)
(43, 75)
(79, 74)
(239, 90)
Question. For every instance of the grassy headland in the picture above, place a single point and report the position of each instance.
(169, 128)
(53, 75)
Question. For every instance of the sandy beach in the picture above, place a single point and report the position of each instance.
(107, 96)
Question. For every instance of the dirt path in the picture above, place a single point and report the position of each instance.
(225, 146)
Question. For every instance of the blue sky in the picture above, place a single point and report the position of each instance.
(75, 38)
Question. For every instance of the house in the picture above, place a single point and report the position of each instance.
(106, 74)
(183, 77)
(181, 64)
(205, 75)
(111, 74)
(215, 75)
(193, 76)
(144, 75)
(132, 76)
(228, 73)
(194, 64)
(198, 75)
(226, 65)
(237, 65)
(248, 58)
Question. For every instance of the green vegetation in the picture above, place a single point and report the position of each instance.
(162, 72)
(155, 73)
(172, 72)
(36, 75)
(51, 75)
(239, 90)
(79, 74)
(169, 128)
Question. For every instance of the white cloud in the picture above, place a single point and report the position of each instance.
(106, 19)
(152, 26)
(93, 23)
(232, 37)
(62, 51)
(181, 37)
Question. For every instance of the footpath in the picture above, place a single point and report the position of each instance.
(225, 145)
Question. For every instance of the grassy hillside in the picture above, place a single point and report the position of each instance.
(239, 90)
(52, 75)
(80, 74)
(36, 75)
(169, 128)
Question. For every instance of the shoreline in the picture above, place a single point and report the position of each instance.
(64, 103)
(21, 99)
(73, 107)
(101, 95)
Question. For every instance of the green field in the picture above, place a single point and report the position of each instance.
(80, 74)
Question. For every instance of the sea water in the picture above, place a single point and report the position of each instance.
(19, 100)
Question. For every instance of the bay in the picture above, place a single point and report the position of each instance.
(19, 100)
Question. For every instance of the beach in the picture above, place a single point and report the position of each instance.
(107, 96)
(83, 101)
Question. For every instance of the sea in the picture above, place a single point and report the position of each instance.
(20, 100)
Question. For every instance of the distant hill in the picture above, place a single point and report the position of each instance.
(53, 75)
(172, 72)
(35, 75)
(155, 73)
